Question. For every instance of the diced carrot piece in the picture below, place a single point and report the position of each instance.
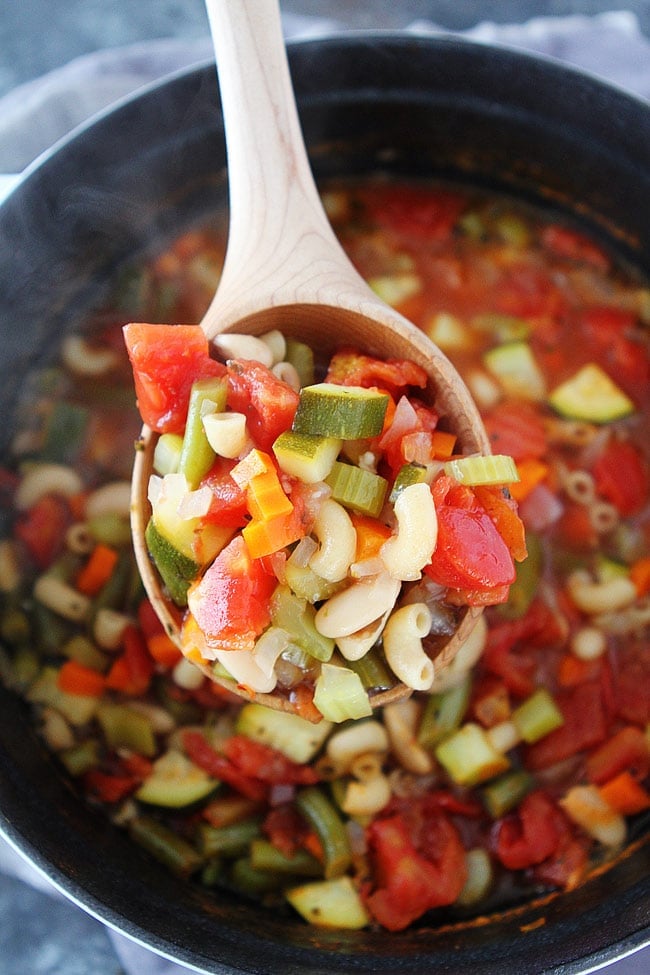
(531, 473)
(371, 535)
(640, 575)
(98, 569)
(624, 794)
(442, 444)
(76, 678)
(163, 649)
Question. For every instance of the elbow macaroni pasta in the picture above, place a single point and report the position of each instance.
(403, 646)
(406, 553)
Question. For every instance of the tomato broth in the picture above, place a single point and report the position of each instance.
(526, 764)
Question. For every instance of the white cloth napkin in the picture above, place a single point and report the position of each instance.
(35, 115)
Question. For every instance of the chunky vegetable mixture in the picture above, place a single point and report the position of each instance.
(350, 530)
(525, 764)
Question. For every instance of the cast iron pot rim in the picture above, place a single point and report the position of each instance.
(67, 884)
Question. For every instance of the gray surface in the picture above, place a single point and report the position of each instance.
(39, 934)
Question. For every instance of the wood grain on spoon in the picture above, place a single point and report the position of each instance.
(285, 269)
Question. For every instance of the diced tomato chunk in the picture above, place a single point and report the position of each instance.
(516, 429)
(263, 762)
(585, 725)
(530, 835)
(42, 529)
(621, 476)
(268, 404)
(166, 360)
(416, 214)
(627, 749)
(351, 368)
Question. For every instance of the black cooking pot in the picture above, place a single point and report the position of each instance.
(401, 103)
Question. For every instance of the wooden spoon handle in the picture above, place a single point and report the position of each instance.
(281, 248)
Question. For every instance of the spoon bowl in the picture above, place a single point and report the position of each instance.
(284, 269)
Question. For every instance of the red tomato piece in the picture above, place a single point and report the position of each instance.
(508, 653)
(166, 360)
(263, 762)
(530, 835)
(285, 828)
(417, 214)
(470, 553)
(230, 603)
(268, 404)
(228, 505)
(200, 752)
(109, 788)
(627, 750)
(621, 476)
(42, 529)
(503, 512)
(409, 883)
(575, 246)
(633, 681)
(517, 430)
(585, 726)
(351, 368)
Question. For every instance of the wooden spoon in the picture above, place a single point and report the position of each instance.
(285, 269)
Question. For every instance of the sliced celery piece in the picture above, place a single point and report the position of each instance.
(290, 734)
(348, 412)
(165, 845)
(197, 456)
(480, 877)
(230, 841)
(357, 489)
(339, 694)
(443, 713)
(469, 757)
(492, 469)
(265, 856)
(537, 716)
(305, 455)
(329, 904)
(296, 616)
(307, 584)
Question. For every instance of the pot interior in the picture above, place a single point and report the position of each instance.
(400, 104)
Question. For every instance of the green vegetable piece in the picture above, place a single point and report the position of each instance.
(514, 365)
(407, 475)
(504, 793)
(232, 840)
(265, 856)
(197, 456)
(255, 883)
(523, 589)
(179, 856)
(443, 713)
(306, 456)
(296, 616)
(82, 649)
(504, 328)
(167, 453)
(348, 412)
(301, 357)
(176, 569)
(373, 671)
(323, 817)
(469, 757)
(329, 904)
(492, 469)
(181, 532)
(123, 727)
(307, 584)
(592, 396)
(175, 782)
(290, 734)
(65, 432)
(480, 877)
(339, 694)
(78, 709)
(357, 489)
(79, 759)
(537, 716)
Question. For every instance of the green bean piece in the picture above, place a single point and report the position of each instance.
(247, 880)
(523, 589)
(110, 529)
(197, 456)
(113, 593)
(322, 815)
(301, 357)
(301, 863)
(212, 874)
(168, 847)
(443, 713)
(230, 841)
(124, 727)
(65, 432)
(51, 630)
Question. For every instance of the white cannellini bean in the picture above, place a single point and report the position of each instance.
(42, 479)
(355, 607)
(588, 643)
(186, 675)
